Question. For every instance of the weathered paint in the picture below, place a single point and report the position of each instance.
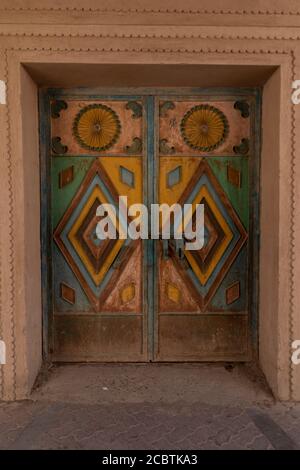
(150, 185)
(228, 179)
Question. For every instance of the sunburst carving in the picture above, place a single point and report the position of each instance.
(204, 127)
(97, 127)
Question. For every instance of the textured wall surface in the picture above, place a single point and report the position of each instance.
(37, 39)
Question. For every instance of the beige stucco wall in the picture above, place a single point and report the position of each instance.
(49, 43)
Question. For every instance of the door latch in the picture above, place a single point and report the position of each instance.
(176, 245)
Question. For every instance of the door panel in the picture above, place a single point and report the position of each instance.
(203, 155)
(148, 300)
(98, 285)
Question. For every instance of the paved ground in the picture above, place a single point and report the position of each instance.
(150, 407)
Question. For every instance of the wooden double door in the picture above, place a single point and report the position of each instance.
(149, 300)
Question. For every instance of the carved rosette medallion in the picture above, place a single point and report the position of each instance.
(97, 127)
(204, 128)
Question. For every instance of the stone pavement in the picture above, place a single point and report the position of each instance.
(179, 406)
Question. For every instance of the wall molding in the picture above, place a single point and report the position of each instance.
(163, 11)
(11, 231)
(230, 36)
(228, 50)
(201, 50)
(292, 310)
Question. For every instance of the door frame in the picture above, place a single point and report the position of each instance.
(150, 169)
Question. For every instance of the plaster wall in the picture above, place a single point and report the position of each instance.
(221, 44)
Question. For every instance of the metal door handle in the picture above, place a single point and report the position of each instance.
(179, 248)
(176, 244)
(165, 244)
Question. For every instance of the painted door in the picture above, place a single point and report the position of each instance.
(204, 156)
(145, 300)
(98, 286)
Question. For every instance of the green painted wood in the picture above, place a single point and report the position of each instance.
(62, 197)
(239, 197)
